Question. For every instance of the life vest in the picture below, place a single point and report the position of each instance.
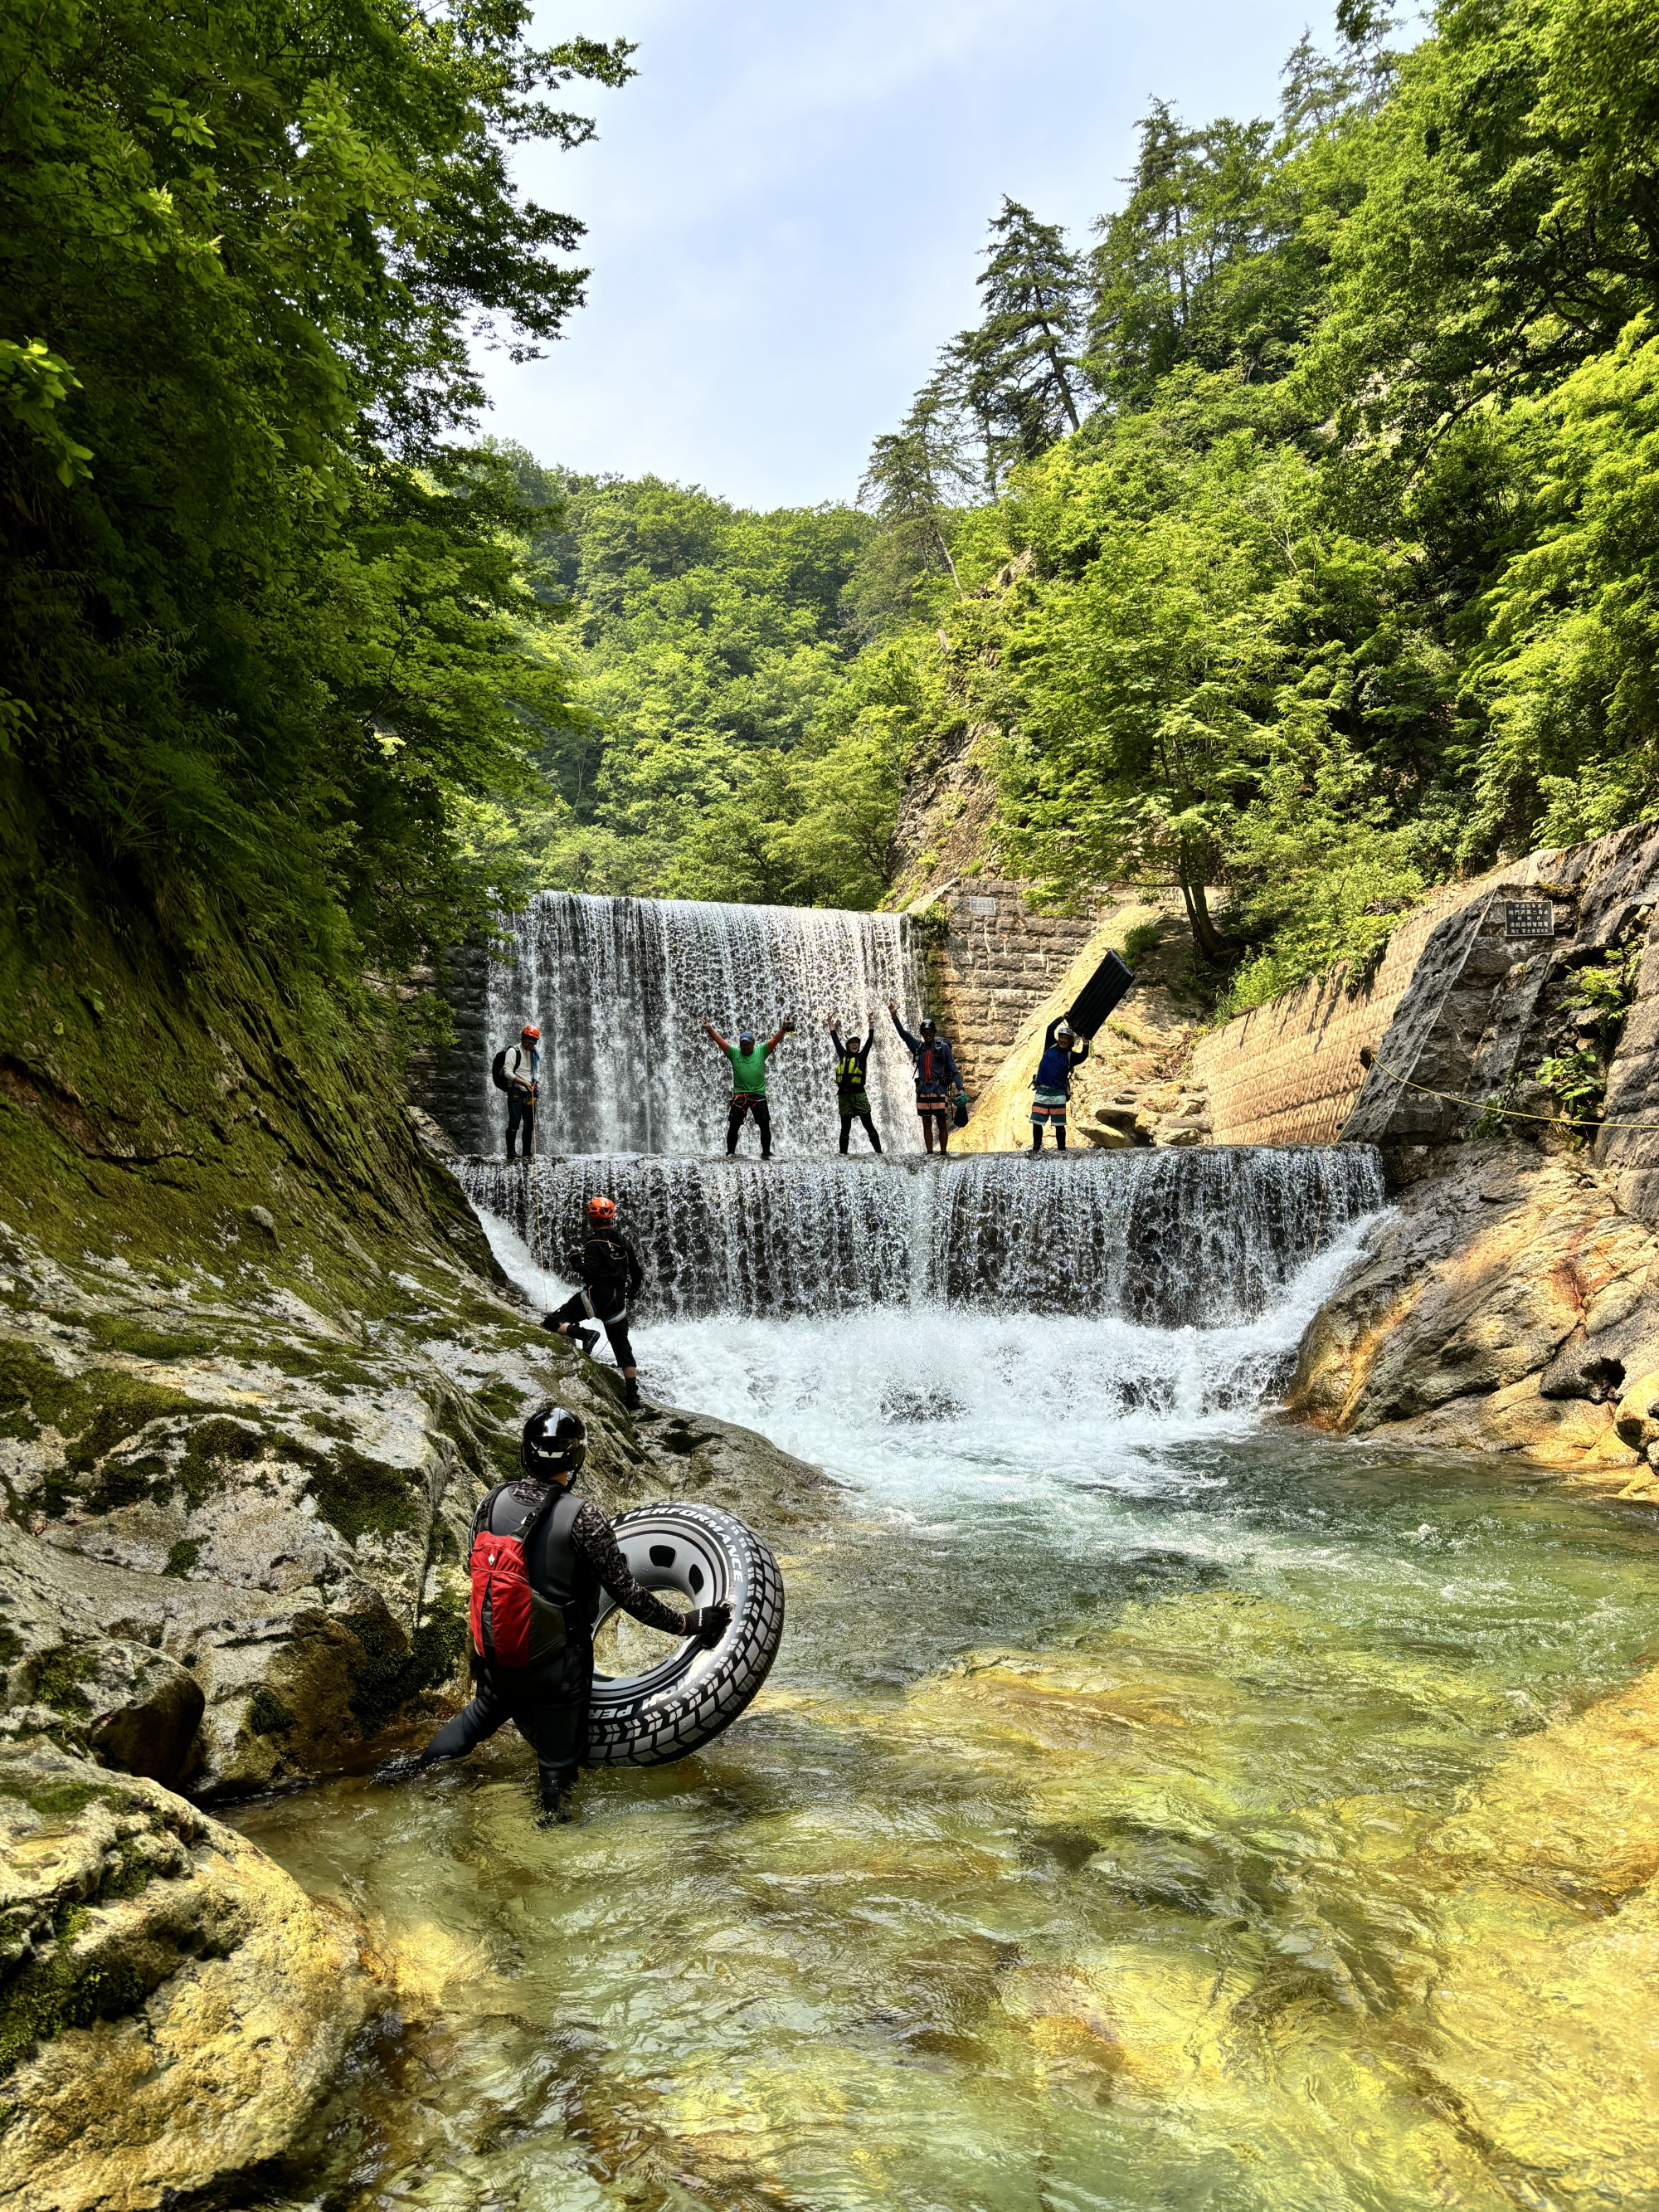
(849, 1072)
(512, 1623)
(1054, 1069)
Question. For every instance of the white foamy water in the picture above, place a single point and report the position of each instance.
(621, 988)
(926, 1404)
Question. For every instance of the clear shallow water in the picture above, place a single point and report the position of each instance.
(1087, 1849)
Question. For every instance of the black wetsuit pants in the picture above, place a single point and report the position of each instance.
(743, 1104)
(847, 1121)
(586, 1306)
(548, 1706)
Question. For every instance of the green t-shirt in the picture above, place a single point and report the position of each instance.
(748, 1068)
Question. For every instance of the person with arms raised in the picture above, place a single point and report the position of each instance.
(749, 1061)
(1061, 1057)
(938, 1084)
(852, 1095)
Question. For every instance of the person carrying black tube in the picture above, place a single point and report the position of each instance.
(748, 1060)
(1061, 1057)
(538, 1558)
(852, 1095)
(611, 1276)
(939, 1086)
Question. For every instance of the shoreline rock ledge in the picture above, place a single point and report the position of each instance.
(177, 2011)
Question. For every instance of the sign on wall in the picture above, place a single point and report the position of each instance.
(1528, 918)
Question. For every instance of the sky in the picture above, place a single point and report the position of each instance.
(787, 206)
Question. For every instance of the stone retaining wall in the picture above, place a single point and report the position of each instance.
(1288, 1073)
(994, 963)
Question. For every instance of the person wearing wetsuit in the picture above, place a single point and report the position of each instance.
(610, 1275)
(1053, 1088)
(851, 1096)
(749, 1061)
(571, 1555)
(938, 1084)
(521, 1068)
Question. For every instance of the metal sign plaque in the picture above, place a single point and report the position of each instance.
(1528, 918)
(981, 906)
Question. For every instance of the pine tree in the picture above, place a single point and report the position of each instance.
(915, 474)
(1017, 375)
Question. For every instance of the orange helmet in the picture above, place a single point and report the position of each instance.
(531, 1030)
(601, 1209)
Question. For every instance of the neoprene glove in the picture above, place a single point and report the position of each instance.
(709, 1623)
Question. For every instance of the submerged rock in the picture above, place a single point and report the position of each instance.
(175, 2010)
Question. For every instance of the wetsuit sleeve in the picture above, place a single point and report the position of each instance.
(914, 1043)
(1048, 1034)
(590, 1535)
(635, 1270)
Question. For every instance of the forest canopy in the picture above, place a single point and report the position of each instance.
(1292, 540)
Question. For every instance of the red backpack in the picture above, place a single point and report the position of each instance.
(512, 1625)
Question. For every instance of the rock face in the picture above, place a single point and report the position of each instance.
(1508, 1304)
(241, 1558)
(175, 2011)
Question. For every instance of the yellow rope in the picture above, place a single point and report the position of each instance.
(536, 1195)
(1486, 1106)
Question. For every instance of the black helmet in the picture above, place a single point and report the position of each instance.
(554, 1445)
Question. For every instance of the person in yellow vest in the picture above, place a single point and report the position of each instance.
(852, 1060)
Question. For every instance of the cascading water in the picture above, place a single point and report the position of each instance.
(620, 988)
(1089, 1845)
(1170, 1239)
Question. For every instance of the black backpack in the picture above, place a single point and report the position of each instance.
(498, 1070)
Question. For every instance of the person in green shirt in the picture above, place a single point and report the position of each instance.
(748, 1060)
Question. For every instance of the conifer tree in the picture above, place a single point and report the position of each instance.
(915, 474)
(1017, 375)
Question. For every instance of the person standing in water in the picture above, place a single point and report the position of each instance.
(852, 1095)
(1053, 1088)
(610, 1275)
(519, 1072)
(534, 1649)
(749, 1061)
(938, 1084)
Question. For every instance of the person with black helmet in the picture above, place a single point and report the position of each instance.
(852, 1074)
(610, 1275)
(748, 1060)
(538, 1558)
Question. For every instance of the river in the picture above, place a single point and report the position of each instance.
(1137, 1816)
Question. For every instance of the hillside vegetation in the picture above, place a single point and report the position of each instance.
(1294, 543)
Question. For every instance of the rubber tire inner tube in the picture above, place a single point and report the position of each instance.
(691, 1694)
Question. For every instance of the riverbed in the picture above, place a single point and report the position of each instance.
(1144, 1811)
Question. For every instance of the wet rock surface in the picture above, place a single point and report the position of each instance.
(1499, 1307)
(174, 2010)
(240, 1557)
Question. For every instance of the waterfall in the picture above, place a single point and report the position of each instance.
(1204, 1237)
(620, 987)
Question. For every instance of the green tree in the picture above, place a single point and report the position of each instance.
(1016, 373)
(263, 626)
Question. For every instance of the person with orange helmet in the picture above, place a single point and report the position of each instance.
(611, 1274)
(518, 1071)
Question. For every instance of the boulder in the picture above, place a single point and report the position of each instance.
(173, 2009)
(1499, 1307)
